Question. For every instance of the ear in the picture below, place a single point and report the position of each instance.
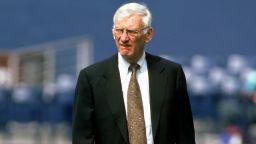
(149, 35)
(113, 34)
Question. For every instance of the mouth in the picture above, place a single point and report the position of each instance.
(125, 46)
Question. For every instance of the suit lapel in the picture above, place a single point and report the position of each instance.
(114, 96)
(157, 89)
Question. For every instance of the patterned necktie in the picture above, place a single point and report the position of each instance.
(136, 124)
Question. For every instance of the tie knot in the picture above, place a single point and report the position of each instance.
(134, 67)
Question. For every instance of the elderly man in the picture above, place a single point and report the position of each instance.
(133, 97)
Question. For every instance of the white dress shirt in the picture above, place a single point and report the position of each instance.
(143, 80)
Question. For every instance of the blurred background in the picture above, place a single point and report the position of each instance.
(44, 45)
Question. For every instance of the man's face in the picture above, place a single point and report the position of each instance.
(130, 38)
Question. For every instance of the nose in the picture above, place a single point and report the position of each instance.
(124, 36)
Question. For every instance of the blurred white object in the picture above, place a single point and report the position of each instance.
(236, 63)
(199, 85)
(235, 139)
(200, 64)
(65, 83)
(21, 95)
(4, 77)
(230, 86)
(216, 75)
(250, 84)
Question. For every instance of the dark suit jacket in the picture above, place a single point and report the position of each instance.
(99, 113)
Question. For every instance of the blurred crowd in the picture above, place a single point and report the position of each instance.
(222, 94)
(28, 112)
(222, 91)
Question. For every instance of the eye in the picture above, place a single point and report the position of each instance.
(119, 30)
(132, 32)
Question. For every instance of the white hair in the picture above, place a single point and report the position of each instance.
(133, 8)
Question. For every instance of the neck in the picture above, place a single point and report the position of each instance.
(133, 60)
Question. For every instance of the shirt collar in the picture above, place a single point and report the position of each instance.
(123, 63)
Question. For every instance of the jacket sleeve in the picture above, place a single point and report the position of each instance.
(185, 126)
(83, 112)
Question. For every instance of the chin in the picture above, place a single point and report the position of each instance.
(125, 55)
(125, 52)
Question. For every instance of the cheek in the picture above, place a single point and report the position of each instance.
(139, 44)
(116, 42)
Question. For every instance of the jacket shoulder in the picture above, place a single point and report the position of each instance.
(157, 60)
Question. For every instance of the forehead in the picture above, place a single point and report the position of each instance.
(132, 21)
